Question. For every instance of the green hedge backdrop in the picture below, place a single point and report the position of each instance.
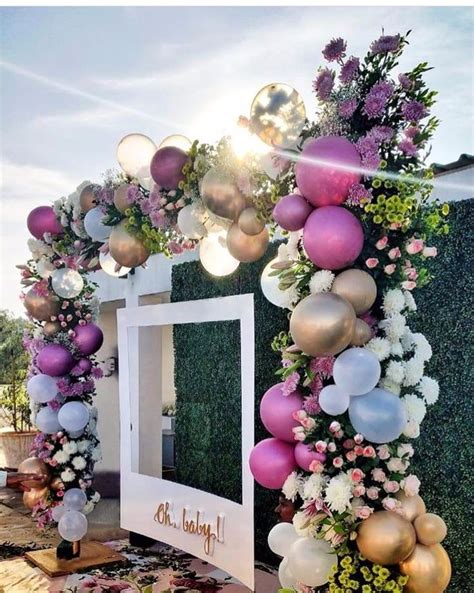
(208, 390)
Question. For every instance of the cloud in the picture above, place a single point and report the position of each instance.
(97, 117)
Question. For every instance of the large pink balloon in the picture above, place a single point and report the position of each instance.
(276, 412)
(291, 212)
(166, 166)
(327, 182)
(43, 220)
(88, 338)
(55, 360)
(305, 455)
(333, 237)
(271, 462)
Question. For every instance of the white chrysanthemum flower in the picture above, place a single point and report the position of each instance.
(409, 300)
(44, 267)
(394, 326)
(393, 301)
(96, 453)
(415, 407)
(339, 493)
(380, 347)
(395, 371)
(414, 370)
(321, 281)
(70, 448)
(302, 524)
(390, 385)
(313, 487)
(57, 205)
(291, 486)
(83, 446)
(396, 349)
(39, 248)
(79, 462)
(395, 464)
(63, 220)
(423, 347)
(68, 475)
(292, 244)
(412, 429)
(407, 341)
(429, 389)
(61, 457)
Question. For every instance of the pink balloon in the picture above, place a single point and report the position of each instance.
(276, 412)
(271, 462)
(55, 360)
(333, 237)
(166, 166)
(291, 212)
(305, 455)
(324, 183)
(88, 338)
(43, 220)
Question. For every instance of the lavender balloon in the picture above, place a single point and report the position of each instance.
(55, 360)
(43, 220)
(88, 338)
(333, 237)
(166, 166)
(328, 181)
(333, 400)
(291, 212)
(271, 462)
(47, 420)
(356, 371)
(276, 412)
(305, 455)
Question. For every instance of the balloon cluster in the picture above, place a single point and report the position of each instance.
(72, 523)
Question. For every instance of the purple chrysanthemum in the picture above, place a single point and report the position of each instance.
(408, 147)
(146, 206)
(133, 194)
(311, 405)
(367, 144)
(290, 384)
(323, 84)
(371, 161)
(347, 108)
(106, 195)
(405, 81)
(377, 98)
(359, 194)
(157, 219)
(381, 133)
(335, 50)
(349, 70)
(414, 110)
(385, 44)
(411, 132)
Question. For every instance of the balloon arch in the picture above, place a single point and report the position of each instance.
(349, 193)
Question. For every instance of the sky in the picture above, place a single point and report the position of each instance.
(74, 81)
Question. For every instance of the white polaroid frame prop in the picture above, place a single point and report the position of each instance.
(207, 526)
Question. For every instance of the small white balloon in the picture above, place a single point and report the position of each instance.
(58, 511)
(281, 537)
(144, 177)
(190, 222)
(215, 256)
(269, 285)
(42, 388)
(94, 226)
(356, 371)
(72, 526)
(73, 416)
(310, 561)
(74, 499)
(287, 580)
(47, 421)
(111, 267)
(333, 400)
(67, 283)
(135, 151)
(177, 140)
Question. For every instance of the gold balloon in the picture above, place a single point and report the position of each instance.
(362, 333)
(430, 529)
(220, 194)
(278, 115)
(56, 484)
(127, 250)
(32, 497)
(41, 307)
(246, 248)
(120, 197)
(358, 287)
(50, 328)
(428, 569)
(322, 324)
(386, 538)
(33, 465)
(412, 505)
(87, 199)
(249, 222)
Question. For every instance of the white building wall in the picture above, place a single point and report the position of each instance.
(460, 185)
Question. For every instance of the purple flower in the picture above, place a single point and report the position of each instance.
(349, 70)
(408, 147)
(323, 84)
(367, 144)
(133, 194)
(414, 110)
(371, 161)
(377, 98)
(404, 81)
(175, 248)
(291, 383)
(359, 194)
(411, 132)
(385, 44)
(158, 220)
(335, 50)
(97, 372)
(322, 365)
(146, 206)
(106, 195)
(347, 108)
(381, 133)
(311, 405)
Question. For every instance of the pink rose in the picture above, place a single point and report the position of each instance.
(405, 449)
(391, 486)
(359, 490)
(332, 447)
(359, 450)
(363, 512)
(357, 475)
(372, 262)
(299, 415)
(415, 246)
(338, 461)
(359, 438)
(351, 456)
(430, 252)
(373, 492)
(339, 434)
(411, 274)
(389, 504)
(390, 269)
(382, 243)
(394, 253)
(308, 423)
(383, 452)
(299, 433)
(316, 467)
(378, 475)
(408, 285)
(411, 485)
(334, 426)
(369, 452)
(396, 465)
(348, 444)
(321, 446)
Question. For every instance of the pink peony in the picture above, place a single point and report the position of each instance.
(378, 475)
(372, 262)
(316, 467)
(415, 246)
(369, 451)
(321, 446)
(363, 512)
(338, 462)
(373, 492)
(394, 253)
(389, 504)
(390, 269)
(391, 486)
(411, 485)
(382, 243)
(359, 490)
(383, 452)
(409, 285)
(357, 475)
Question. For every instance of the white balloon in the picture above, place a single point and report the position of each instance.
(72, 526)
(287, 580)
(190, 222)
(281, 537)
(177, 140)
(215, 256)
(74, 499)
(109, 265)
(144, 177)
(269, 285)
(310, 561)
(58, 511)
(94, 227)
(42, 388)
(73, 416)
(356, 371)
(47, 420)
(67, 283)
(135, 151)
(333, 400)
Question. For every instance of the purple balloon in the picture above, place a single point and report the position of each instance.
(324, 183)
(333, 237)
(43, 220)
(271, 462)
(55, 360)
(88, 338)
(291, 212)
(166, 166)
(85, 365)
(276, 412)
(305, 455)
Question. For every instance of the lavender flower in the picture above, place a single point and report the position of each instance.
(371, 161)
(311, 405)
(335, 50)
(408, 147)
(291, 383)
(411, 132)
(381, 134)
(349, 70)
(377, 98)
(404, 81)
(106, 196)
(359, 194)
(367, 144)
(347, 108)
(146, 206)
(385, 44)
(133, 194)
(323, 84)
(157, 219)
(414, 110)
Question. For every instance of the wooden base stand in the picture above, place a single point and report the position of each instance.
(93, 554)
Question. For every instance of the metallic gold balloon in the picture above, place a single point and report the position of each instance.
(249, 222)
(120, 197)
(278, 115)
(220, 194)
(50, 328)
(358, 287)
(430, 529)
(322, 324)
(32, 497)
(362, 333)
(246, 248)
(386, 538)
(412, 505)
(41, 307)
(127, 250)
(56, 484)
(33, 465)
(87, 199)
(429, 569)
